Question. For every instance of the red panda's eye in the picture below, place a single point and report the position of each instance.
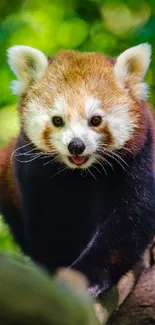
(95, 120)
(58, 121)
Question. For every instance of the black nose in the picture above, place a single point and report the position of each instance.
(76, 146)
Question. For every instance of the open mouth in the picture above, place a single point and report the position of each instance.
(78, 160)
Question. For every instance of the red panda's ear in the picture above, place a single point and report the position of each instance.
(28, 64)
(131, 67)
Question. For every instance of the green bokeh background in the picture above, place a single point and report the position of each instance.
(87, 25)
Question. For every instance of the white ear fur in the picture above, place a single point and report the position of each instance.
(131, 66)
(28, 64)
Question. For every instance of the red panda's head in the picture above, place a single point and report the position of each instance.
(77, 104)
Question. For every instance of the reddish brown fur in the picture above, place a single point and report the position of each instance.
(108, 137)
(46, 137)
(116, 257)
(8, 187)
(73, 75)
(92, 73)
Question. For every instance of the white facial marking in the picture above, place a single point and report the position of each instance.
(67, 137)
(119, 121)
(92, 107)
(75, 126)
(60, 107)
(78, 125)
(121, 125)
(35, 118)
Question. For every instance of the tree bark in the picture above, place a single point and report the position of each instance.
(139, 307)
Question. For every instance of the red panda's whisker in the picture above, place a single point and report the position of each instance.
(117, 155)
(47, 162)
(98, 161)
(60, 171)
(49, 154)
(112, 154)
(27, 161)
(28, 154)
(24, 153)
(113, 157)
(103, 159)
(92, 174)
(16, 150)
(51, 161)
(45, 156)
(93, 166)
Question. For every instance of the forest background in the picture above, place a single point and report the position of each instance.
(106, 26)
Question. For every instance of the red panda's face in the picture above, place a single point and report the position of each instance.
(77, 106)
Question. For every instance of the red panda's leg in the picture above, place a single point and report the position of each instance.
(9, 197)
(115, 248)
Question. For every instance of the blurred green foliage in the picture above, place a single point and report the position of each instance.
(6, 241)
(109, 26)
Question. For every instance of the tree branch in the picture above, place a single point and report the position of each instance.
(139, 307)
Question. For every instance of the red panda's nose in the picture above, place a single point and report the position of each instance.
(76, 146)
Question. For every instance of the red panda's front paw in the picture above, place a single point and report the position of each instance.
(100, 285)
(95, 290)
(98, 279)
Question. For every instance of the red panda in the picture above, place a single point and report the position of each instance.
(77, 185)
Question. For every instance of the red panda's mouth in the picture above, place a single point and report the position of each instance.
(78, 160)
